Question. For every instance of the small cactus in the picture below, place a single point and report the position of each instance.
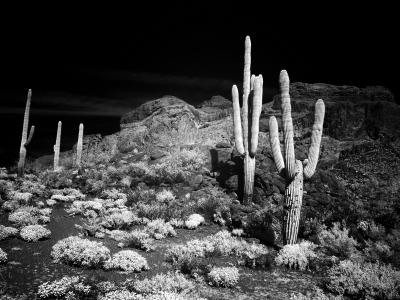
(79, 146)
(25, 139)
(57, 147)
(292, 169)
(246, 127)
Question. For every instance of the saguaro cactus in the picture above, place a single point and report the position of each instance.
(25, 140)
(246, 123)
(57, 147)
(79, 146)
(292, 169)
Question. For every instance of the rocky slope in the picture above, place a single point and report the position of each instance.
(360, 140)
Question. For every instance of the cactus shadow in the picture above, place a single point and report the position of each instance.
(226, 169)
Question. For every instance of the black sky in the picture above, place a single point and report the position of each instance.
(191, 50)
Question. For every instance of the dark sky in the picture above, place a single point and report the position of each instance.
(106, 60)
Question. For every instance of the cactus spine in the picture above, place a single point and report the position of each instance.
(293, 170)
(57, 147)
(79, 146)
(25, 139)
(246, 127)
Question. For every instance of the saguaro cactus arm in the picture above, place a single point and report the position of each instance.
(256, 112)
(275, 144)
(237, 123)
(313, 152)
(30, 136)
(287, 125)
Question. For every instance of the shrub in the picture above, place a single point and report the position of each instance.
(364, 280)
(6, 232)
(56, 180)
(81, 252)
(34, 233)
(194, 221)
(165, 196)
(3, 256)
(170, 282)
(297, 255)
(254, 255)
(68, 287)
(119, 295)
(139, 239)
(29, 215)
(337, 241)
(315, 294)
(119, 219)
(223, 276)
(158, 229)
(127, 260)
(220, 244)
(20, 197)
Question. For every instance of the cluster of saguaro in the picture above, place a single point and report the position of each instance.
(57, 147)
(292, 169)
(79, 146)
(246, 122)
(25, 139)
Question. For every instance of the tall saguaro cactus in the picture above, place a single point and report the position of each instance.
(25, 139)
(246, 122)
(79, 146)
(292, 169)
(57, 147)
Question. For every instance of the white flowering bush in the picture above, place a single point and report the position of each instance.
(10, 205)
(178, 166)
(68, 287)
(337, 241)
(81, 252)
(165, 196)
(34, 233)
(113, 194)
(120, 295)
(159, 229)
(223, 276)
(6, 232)
(118, 219)
(3, 256)
(297, 255)
(194, 221)
(169, 282)
(364, 280)
(128, 261)
(177, 223)
(21, 197)
(29, 215)
(139, 239)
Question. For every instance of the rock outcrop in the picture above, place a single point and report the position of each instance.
(351, 112)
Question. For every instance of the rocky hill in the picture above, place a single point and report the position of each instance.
(361, 125)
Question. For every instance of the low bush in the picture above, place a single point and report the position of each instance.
(223, 276)
(364, 280)
(194, 221)
(128, 261)
(296, 256)
(29, 215)
(34, 233)
(170, 282)
(337, 241)
(68, 287)
(6, 232)
(80, 252)
(159, 229)
(139, 239)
